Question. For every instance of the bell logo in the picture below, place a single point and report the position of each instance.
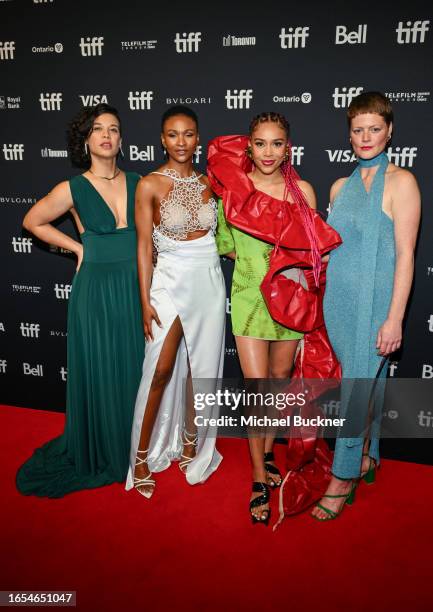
(91, 100)
(343, 99)
(3, 366)
(148, 153)
(294, 37)
(187, 43)
(430, 323)
(50, 101)
(7, 49)
(22, 245)
(91, 46)
(37, 370)
(403, 156)
(408, 34)
(63, 374)
(62, 291)
(140, 100)
(238, 99)
(30, 330)
(13, 152)
(356, 37)
(427, 371)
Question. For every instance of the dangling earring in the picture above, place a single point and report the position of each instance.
(86, 149)
(164, 151)
(287, 155)
(249, 152)
(121, 152)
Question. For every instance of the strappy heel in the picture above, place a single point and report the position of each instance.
(272, 469)
(188, 439)
(333, 514)
(370, 475)
(145, 486)
(261, 500)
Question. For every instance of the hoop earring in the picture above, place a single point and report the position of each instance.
(86, 149)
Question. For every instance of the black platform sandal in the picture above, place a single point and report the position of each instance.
(261, 500)
(272, 469)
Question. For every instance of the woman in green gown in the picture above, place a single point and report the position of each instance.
(105, 336)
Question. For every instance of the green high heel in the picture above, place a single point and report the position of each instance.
(370, 475)
(333, 514)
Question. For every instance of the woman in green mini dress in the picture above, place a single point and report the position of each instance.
(266, 349)
(105, 335)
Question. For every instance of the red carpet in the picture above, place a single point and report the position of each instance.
(194, 548)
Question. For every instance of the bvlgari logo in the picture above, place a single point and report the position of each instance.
(188, 100)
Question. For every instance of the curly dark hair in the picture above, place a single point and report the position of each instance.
(79, 129)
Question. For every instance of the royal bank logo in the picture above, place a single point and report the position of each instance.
(30, 370)
(238, 41)
(3, 366)
(56, 48)
(412, 32)
(22, 245)
(138, 45)
(146, 154)
(140, 100)
(408, 96)
(430, 323)
(345, 36)
(188, 100)
(26, 289)
(10, 103)
(294, 38)
(7, 50)
(63, 373)
(51, 101)
(343, 98)
(62, 291)
(56, 249)
(341, 155)
(402, 156)
(305, 98)
(91, 46)
(238, 99)
(93, 99)
(53, 153)
(187, 42)
(13, 152)
(30, 330)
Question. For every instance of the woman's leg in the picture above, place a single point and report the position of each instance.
(281, 358)
(161, 376)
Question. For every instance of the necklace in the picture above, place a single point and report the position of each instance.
(107, 178)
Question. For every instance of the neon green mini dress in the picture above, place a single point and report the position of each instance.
(250, 316)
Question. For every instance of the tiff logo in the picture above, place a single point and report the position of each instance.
(187, 43)
(343, 99)
(91, 100)
(62, 291)
(356, 37)
(148, 153)
(63, 373)
(294, 37)
(297, 155)
(91, 46)
(402, 156)
(425, 419)
(13, 152)
(430, 323)
(30, 330)
(409, 33)
(140, 100)
(22, 245)
(238, 99)
(197, 153)
(392, 368)
(3, 366)
(51, 101)
(7, 49)
(42, 1)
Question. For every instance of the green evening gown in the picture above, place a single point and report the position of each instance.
(105, 356)
(250, 316)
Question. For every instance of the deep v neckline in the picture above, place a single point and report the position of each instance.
(108, 206)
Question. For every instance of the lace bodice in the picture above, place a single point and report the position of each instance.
(183, 210)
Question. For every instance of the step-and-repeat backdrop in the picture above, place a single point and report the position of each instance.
(228, 62)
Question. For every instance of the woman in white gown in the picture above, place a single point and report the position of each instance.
(183, 300)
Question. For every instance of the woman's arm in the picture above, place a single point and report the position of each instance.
(144, 225)
(52, 206)
(309, 194)
(406, 212)
(224, 238)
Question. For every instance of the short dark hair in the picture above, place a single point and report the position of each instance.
(179, 109)
(79, 129)
(270, 117)
(370, 102)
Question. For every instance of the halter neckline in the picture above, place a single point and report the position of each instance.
(374, 161)
(174, 174)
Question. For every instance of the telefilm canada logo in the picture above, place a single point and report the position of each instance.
(238, 41)
(93, 99)
(26, 289)
(91, 46)
(294, 37)
(140, 100)
(138, 45)
(412, 32)
(408, 96)
(56, 48)
(304, 97)
(10, 102)
(238, 99)
(7, 50)
(187, 42)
